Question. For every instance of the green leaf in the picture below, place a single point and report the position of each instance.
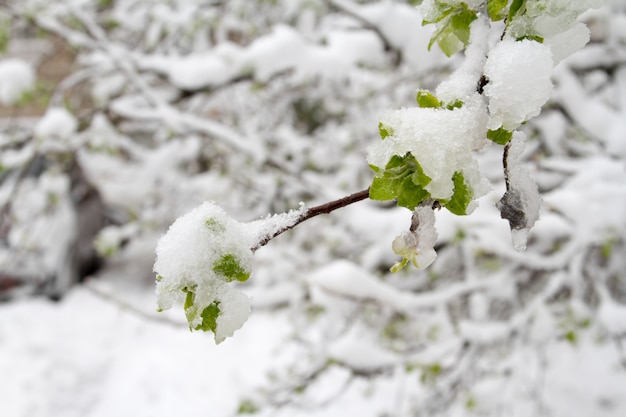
(461, 20)
(457, 104)
(426, 99)
(571, 337)
(516, 7)
(247, 407)
(461, 196)
(403, 179)
(188, 299)
(411, 194)
(495, 7)
(444, 11)
(209, 317)
(375, 169)
(229, 267)
(453, 29)
(383, 189)
(418, 177)
(535, 38)
(384, 130)
(446, 40)
(398, 266)
(500, 136)
(5, 36)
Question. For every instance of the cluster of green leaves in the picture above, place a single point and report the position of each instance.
(229, 267)
(426, 99)
(453, 26)
(453, 20)
(403, 178)
(209, 314)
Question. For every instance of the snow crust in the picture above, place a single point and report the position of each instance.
(16, 78)
(519, 82)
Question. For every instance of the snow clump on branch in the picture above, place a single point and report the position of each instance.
(201, 253)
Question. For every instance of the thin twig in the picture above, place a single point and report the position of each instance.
(325, 208)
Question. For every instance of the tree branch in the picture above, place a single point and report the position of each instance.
(325, 208)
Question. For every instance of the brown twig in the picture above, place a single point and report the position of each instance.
(325, 208)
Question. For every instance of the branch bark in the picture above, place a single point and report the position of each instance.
(325, 208)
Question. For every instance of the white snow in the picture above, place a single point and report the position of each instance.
(57, 124)
(364, 357)
(16, 78)
(462, 83)
(187, 256)
(519, 82)
(564, 44)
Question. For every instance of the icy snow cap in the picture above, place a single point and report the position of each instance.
(16, 78)
(201, 252)
(519, 82)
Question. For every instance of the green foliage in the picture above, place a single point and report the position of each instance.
(40, 95)
(572, 337)
(403, 179)
(517, 7)
(495, 8)
(229, 267)
(535, 38)
(470, 404)
(5, 37)
(500, 136)
(426, 99)
(247, 407)
(384, 130)
(605, 250)
(461, 197)
(209, 317)
(453, 27)
(431, 372)
(209, 314)
(188, 299)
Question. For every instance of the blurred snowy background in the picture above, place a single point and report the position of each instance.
(116, 117)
